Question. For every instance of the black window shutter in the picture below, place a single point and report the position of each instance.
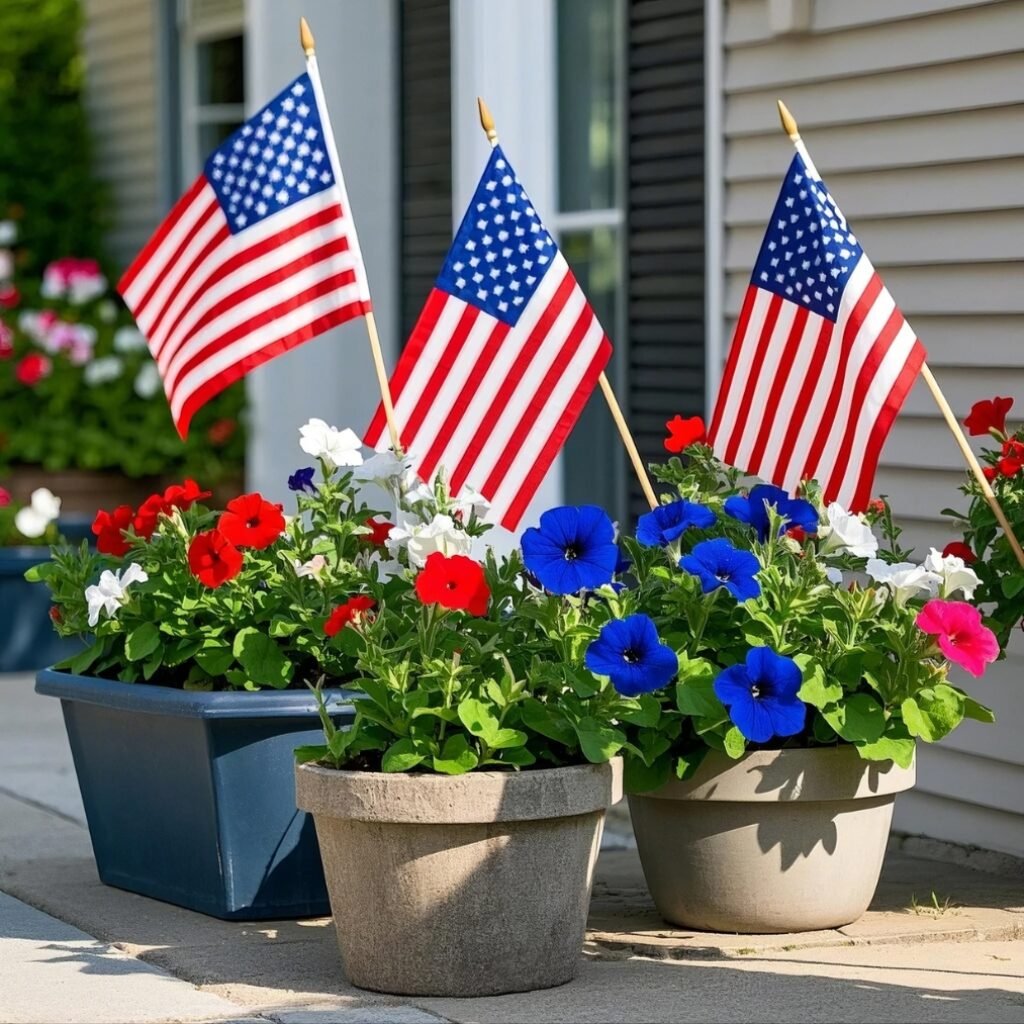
(426, 143)
(665, 219)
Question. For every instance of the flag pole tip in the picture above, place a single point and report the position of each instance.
(788, 122)
(486, 121)
(306, 38)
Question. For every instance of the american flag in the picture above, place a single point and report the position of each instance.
(503, 357)
(821, 358)
(258, 256)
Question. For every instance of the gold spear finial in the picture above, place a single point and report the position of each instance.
(788, 122)
(486, 121)
(306, 38)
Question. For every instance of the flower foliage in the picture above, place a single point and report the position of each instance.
(78, 387)
(790, 625)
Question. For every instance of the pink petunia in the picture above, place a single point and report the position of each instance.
(961, 636)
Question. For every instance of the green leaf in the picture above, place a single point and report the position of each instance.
(688, 762)
(262, 659)
(340, 741)
(735, 743)
(640, 778)
(519, 756)
(215, 660)
(506, 739)
(933, 713)
(598, 741)
(141, 642)
(979, 712)
(545, 721)
(478, 719)
(896, 745)
(401, 756)
(858, 718)
(310, 752)
(695, 689)
(1012, 584)
(646, 714)
(816, 690)
(85, 659)
(456, 756)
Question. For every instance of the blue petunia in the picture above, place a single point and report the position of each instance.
(761, 695)
(754, 510)
(718, 564)
(666, 523)
(573, 549)
(630, 652)
(302, 480)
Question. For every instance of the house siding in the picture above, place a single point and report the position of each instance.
(121, 96)
(915, 118)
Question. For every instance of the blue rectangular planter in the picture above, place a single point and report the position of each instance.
(190, 797)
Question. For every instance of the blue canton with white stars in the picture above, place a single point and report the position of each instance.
(276, 158)
(809, 251)
(501, 250)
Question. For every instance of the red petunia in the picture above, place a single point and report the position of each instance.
(213, 559)
(9, 296)
(454, 581)
(797, 533)
(988, 416)
(108, 528)
(990, 473)
(682, 433)
(349, 612)
(1012, 460)
(32, 369)
(184, 495)
(251, 522)
(958, 549)
(148, 515)
(380, 532)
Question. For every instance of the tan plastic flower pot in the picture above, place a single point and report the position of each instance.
(778, 841)
(455, 886)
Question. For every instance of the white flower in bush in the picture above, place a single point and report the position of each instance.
(43, 508)
(384, 468)
(904, 579)
(147, 380)
(129, 339)
(103, 371)
(314, 567)
(421, 540)
(954, 573)
(112, 591)
(336, 447)
(8, 232)
(847, 532)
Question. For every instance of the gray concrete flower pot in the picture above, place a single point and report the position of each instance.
(456, 886)
(778, 841)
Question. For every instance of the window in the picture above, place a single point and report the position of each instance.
(211, 54)
(589, 219)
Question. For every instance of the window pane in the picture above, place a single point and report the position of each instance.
(221, 71)
(212, 134)
(593, 452)
(588, 114)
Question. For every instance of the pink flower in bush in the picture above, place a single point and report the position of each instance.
(5, 497)
(6, 341)
(77, 280)
(38, 325)
(32, 369)
(9, 296)
(961, 636)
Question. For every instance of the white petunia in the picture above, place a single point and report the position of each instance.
(147, 380)
(421, 540)
(954, 573)
(314, 567)
(904, 579)
(385, 469)
(846, 532)
(112, 591)
(8, 232)
(43, 508)
(129, 339)
(335, 447)
(470, 502)
(102, 371)
(834, 575)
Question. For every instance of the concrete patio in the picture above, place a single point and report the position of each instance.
(941, 942)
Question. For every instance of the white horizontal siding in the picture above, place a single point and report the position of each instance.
(119, 45)
(914, 114)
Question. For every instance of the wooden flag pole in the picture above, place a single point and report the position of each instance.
(789, 126)
(487, 123)
(309, 49)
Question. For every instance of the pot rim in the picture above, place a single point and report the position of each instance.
(798, 774)
(145, 698)
(472, 798)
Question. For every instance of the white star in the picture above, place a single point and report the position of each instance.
(282, 196)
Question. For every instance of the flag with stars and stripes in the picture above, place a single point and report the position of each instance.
(258, 256)
(821, 359)
(503, 357)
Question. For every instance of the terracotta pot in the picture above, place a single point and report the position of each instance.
(472, 885)
(778, 841)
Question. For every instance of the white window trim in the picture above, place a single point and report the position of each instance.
(714, 204)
